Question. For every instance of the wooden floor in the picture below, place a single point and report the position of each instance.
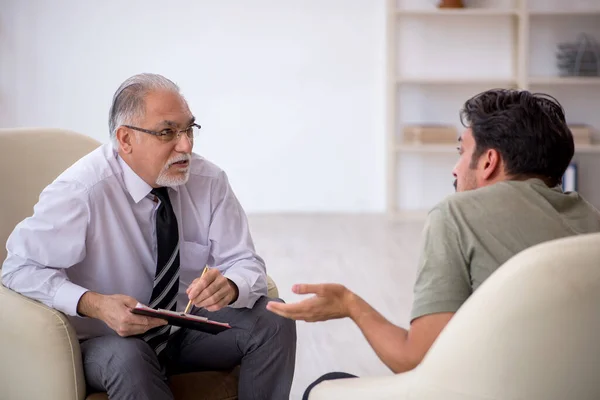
(374, 257)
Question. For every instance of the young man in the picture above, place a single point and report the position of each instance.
(512, 157)
(137, 221)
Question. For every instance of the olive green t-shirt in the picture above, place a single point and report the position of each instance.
(470, 234)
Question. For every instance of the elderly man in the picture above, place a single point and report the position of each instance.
(137, 221)
(512, 157)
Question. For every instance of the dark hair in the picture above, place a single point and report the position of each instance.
(529, 130)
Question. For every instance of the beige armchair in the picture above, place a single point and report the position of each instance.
(529, 332)
(39, 352)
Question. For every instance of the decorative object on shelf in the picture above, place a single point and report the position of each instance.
(569, 179)
(450, 4)
(430, 134)
(582, 134)
(581, 58)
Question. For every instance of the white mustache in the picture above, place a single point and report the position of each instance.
(180, 157)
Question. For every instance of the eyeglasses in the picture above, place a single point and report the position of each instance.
(170, 134)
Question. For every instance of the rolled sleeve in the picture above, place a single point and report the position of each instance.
(443, 281)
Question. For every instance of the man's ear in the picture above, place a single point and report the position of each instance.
(124, 138)
(492, 163)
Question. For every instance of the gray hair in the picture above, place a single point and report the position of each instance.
(128, 101)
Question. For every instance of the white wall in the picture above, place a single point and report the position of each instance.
(290, 93)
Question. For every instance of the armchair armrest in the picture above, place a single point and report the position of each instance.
(272, 290)
(40, 356)
(395, 387)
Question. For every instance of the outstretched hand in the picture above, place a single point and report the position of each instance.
(331, 301)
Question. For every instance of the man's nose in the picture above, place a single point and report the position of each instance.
(184, 144)
(455, 170)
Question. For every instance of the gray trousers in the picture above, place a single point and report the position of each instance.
(262, 343)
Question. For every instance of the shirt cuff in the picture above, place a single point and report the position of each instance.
(67, 298)
(243, 291)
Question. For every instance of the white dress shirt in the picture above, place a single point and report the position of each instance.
(94, 229)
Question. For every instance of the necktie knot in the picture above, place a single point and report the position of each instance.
(162, 193)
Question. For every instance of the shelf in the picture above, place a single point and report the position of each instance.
(448, 148)
(456, 81)
(567, 80)
(410, 215)
(587, 148)
(564, 13)
(460, 12)
(426, 148)
(534, 80)
(492, 12)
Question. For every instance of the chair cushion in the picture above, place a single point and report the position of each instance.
(210, 385)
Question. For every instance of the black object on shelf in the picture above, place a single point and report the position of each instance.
(580, 58)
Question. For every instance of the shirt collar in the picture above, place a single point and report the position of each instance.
(136, 186)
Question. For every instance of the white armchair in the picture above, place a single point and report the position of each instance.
(529, 332)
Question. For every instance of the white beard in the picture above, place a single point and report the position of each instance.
(171, 180)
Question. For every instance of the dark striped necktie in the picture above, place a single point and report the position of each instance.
(166, 279)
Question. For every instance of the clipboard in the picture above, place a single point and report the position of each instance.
(182, 319)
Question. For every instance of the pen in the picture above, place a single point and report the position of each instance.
(189, 305)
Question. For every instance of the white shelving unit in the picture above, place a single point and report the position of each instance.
(550, 80)
(424, 89)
